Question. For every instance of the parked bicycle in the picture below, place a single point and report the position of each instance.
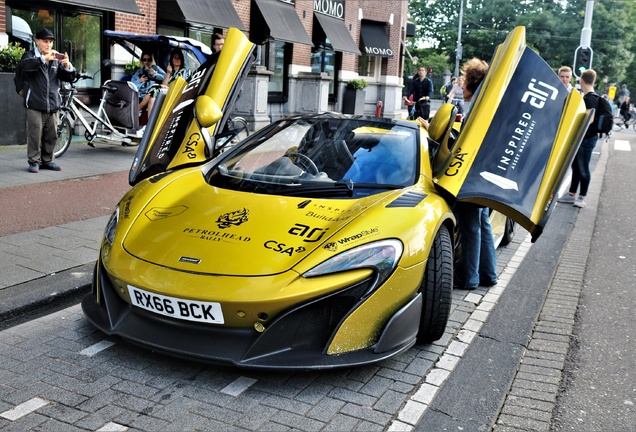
(116, 118)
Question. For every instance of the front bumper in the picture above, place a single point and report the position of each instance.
(297, 339)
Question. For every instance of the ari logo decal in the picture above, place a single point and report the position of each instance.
(234, 218)
(311, 235)
(538, 97)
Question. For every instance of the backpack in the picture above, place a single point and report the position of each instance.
(603, 117)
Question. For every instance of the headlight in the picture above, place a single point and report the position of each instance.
(382, 256)
(111, 226)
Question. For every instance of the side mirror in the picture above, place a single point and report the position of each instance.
(206, 111)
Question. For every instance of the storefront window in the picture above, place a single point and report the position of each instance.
(368, 66)
(77, 33)
(323, 59)
(81, 35)
(277, 56)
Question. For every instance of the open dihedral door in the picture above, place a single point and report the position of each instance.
(519, 139)
(177, 134)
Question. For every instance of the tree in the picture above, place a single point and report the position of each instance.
(553, 29)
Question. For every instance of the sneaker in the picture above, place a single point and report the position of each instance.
(567, 198)
(140, 132)
(51, 166)
(33, 168)
(580, 202)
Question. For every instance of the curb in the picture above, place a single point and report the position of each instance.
(42, 296)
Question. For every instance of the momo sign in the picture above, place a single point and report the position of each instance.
(334, 8)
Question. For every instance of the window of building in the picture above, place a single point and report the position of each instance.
(78, 33)
(369, 66)
(325, 59)
(276, 57)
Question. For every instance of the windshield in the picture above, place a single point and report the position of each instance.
(322, 152)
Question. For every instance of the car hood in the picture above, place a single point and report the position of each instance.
(191, 226)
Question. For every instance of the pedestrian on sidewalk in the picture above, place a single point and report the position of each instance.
(478, 266)
(43, 69)
(581, 174)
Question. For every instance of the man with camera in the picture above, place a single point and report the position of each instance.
(43, 68)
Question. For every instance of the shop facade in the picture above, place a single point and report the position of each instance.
(307, 49)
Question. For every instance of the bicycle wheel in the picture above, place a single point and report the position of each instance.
(64, 136)
(618, 124)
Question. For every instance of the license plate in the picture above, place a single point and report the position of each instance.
(190, 310)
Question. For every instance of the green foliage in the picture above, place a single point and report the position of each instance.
(553, 29)
(132, 66)
(10, 56)
(357, 84)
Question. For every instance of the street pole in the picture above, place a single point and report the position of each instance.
(458, 54)
(586, 33)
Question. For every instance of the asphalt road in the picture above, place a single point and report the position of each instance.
(599, 388)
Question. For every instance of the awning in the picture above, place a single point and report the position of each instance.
(219, 13)
(374, 39)
(337, 33)
(282, 22)
(126, 6)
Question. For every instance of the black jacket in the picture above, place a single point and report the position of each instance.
(42, 82)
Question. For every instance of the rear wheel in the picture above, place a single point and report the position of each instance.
(436, 288)
(618, 124)
(64, 136)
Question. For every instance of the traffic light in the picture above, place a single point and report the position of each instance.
(582, 60)
(430, 71)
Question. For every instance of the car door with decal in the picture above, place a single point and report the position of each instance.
(187, 120)
(519, 139)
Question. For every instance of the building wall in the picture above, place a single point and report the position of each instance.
(146, 24)
(387, 88)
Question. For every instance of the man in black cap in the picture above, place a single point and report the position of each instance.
(43, 69)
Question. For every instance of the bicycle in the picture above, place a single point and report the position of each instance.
(620, 123)
(101, 126)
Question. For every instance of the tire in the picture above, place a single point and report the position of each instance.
(509, 232)
(618, 124)
(436, 288)
(64, 136)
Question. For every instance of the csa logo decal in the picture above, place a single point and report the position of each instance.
(234, 218)
(282, 248)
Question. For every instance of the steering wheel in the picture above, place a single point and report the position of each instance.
(305, 162)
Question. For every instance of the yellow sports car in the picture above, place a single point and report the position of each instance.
(323, 240)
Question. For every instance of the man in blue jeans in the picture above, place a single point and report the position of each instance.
(581, 164)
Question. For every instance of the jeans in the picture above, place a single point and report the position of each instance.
(479, 258)
(581, 166)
